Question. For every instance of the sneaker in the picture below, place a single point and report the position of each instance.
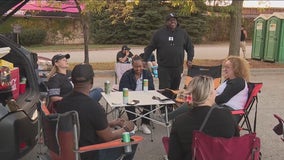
(145, 129)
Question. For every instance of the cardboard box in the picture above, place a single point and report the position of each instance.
(6, 63)
(15, 81)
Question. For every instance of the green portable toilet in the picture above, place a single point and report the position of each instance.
(259, 36)
(280, 55)
(273, 37)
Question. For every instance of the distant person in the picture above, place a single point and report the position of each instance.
(151, 62)
(219, 124)
(124, 56)
(59, 80)
(133, 80)
(244, 36)
(170, 42)
(94, 126)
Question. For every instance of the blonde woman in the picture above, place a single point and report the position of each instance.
(219, 124)
(59, 80)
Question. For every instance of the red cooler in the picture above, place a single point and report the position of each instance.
(15, 81)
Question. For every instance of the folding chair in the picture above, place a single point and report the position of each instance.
(213, 71)
(61, 136)
(120, 68)
(279, 128)
(205, 147)
(253, 90)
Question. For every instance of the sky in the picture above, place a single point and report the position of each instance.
(264, 3)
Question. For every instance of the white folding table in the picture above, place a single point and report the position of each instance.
(152, 97)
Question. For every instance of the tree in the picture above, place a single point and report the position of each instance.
(234, 10)
(90, 7)
(236, 16)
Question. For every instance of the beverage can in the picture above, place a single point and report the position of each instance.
(126, 139)
(125, 95)
(145, 84)
(107, 87)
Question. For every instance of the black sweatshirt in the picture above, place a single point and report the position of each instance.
(170, 47)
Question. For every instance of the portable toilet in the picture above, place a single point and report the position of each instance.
(280, 55)
(259, 36)
(274, 50)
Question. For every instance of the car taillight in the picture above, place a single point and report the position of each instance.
(22, 145)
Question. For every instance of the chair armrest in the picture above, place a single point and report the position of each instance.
(111, 144)
(238, 112)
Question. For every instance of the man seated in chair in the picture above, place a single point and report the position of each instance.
(133, 80)
(124, 56)
(94, 126)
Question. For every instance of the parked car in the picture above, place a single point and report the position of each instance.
(19, 127)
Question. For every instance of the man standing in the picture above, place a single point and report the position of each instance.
(244, 36)
(170, 42)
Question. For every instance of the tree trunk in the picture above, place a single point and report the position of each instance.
(235, 32)
(85, 23)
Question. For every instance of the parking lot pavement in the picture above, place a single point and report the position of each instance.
(270, 101)
(202, 51)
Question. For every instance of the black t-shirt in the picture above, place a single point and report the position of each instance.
(60, 85)
(120, 54)
(92, 118)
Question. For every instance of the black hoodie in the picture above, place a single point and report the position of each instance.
(170, 47)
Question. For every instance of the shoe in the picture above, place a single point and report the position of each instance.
(145, 129)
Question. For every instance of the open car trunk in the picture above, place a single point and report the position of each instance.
(18, 128)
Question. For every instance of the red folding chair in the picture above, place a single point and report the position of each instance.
(279, 128)
(61, 136)
(253, 90)
(205, 147)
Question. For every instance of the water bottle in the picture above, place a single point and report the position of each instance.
(155, 71)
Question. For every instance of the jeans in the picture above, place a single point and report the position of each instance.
(95, 94)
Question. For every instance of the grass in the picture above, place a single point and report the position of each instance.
(73, 47)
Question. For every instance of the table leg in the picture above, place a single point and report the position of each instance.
(167, 120)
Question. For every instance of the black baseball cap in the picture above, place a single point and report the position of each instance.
(82, 73)
(57, 57)
(171, 15)
(125, 48)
